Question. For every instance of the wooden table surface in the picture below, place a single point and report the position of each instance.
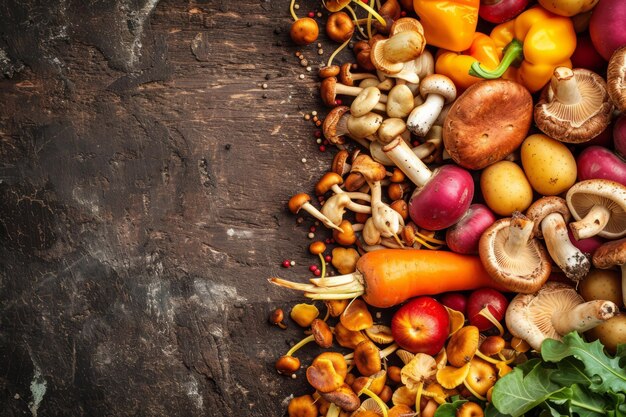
(143, 186)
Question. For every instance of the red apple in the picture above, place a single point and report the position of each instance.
(489, 299)
(454, 300)
(499, 11)
(421, 326)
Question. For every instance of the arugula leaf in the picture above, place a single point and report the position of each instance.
(580, 401)
(570, 371)
(605, 372)
(516, 393)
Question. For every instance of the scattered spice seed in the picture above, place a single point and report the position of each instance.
(308, 69)
(314, 113)
(307, 116)
(301, 76)
(319, 45)
(311, 235)
(311, 14)
(317, 272)
(320, 52)
(292, 263)
(328, 258)
(322, 148)
(303, 160)
(296, 6)
(304, 62)
(318, 123)
(312, 229)
(318, 141)
(286, 263)
(319, 14)
(264, 85)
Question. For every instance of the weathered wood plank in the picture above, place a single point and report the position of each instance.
(144, 178)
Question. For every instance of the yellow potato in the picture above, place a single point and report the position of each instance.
(549, 165)
(610, 333)
(602, 284)
(505, 188)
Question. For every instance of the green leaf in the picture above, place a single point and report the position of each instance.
(448, 409)
(516, 393)
(586, 403)
(604, 371)
(570, 371)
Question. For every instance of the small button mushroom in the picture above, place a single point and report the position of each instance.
(330, 88)
(437, 90)
(575, 107)
(304, 314)
(329, 71)
(616, 78)
(364, 127)
(304, 31)
(356, 317)
(343, 397)
(550, 216)
(367, 100)
(362, 50)
(400, 101)
(462, 346)
(512, 257)
(323, 376)
(390, 11)
(344, 259)
(481, 377)
(300, 201)
(276, 317)
(329, 181)
(553, 311)
(610, 254)
(302, 406)
(487, 122)
(348, 237)
(339, 27)
(335, 125)
(599, 207)
(347, 77)
(348, 338)
(367, 358)
(389, 55)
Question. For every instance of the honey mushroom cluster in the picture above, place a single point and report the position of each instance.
(409, 142)
(377, 378)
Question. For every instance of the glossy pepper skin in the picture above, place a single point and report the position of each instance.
(448, 24)
(456, 65)
(539, 40)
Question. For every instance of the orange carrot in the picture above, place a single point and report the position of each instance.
(388, 277)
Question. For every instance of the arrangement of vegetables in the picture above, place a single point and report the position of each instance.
(476, 210)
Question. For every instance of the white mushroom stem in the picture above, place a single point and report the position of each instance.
(568, 257)
(387, 220)
(584, 316)
(592, 224)
(335, 206)
(408, 162)
(565, 86)
(520, 232)
(354, 195)
(423, 117)
(309, 208)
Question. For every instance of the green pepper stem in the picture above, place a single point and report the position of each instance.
(513, 55)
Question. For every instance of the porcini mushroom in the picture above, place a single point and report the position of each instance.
(437, 90)
(574, 107)
(611, 254)
(599, 207)
(550, 216)
(616, 78)
(442, 196)
(300, 201)
(553, 311)
(487, 122)
(512, 257)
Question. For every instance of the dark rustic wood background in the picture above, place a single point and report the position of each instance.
(143, 185)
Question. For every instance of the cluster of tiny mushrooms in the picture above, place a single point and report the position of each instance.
(404, 138)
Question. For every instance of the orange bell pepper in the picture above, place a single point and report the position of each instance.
(533, 45)
(448, 24)
(456, 65)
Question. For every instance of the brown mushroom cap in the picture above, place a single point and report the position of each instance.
(371, 170)
(327, 181)
(339, 27)
(340, 164)
(388, 55)
(544, 206)
(526, 267)
(335, 125)
(584, 195)
(322, 333)
(302, 406)
(487, 122)
(328, 91)
(610, 254)
(575, 107)
(344, 397)
(616, 78)
(304, 31)
(297, 201)
(329, 71)
(367, 358)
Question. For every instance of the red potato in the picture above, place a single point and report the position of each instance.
(454, 300)
(606, 27)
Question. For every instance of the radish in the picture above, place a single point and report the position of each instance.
(486, 308)
(606, 27)
(454, 300)
(599, 162)
(587, 245)
(463, 236)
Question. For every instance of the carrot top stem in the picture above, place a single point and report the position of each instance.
(340, 287)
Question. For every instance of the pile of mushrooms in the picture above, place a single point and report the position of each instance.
(411, 156)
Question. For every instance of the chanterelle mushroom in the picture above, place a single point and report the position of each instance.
(550, 215)
(575, 106)
(512, 257)
(553, 311)
(599, 206)
(616, 78)
(612, 254)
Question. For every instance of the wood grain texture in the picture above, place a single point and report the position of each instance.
(143, 185)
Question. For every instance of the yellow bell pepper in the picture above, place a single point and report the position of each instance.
(448, 24)
(456, 65)
(536, 42)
